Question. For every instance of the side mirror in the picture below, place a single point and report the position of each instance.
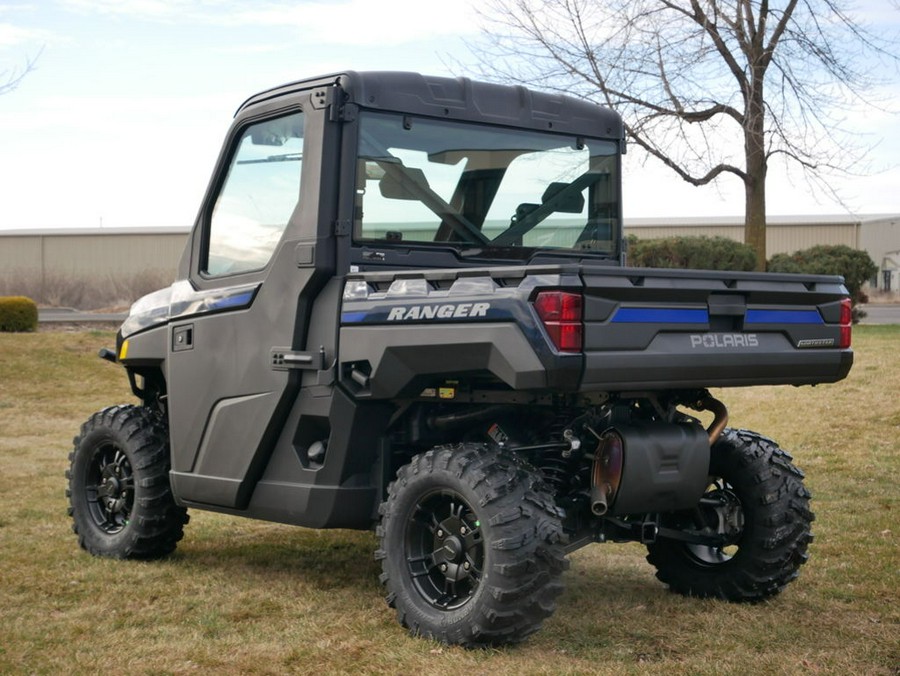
(565, 200)
(407, 183)
(264, 137)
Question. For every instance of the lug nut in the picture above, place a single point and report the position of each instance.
(443, 567)
(467, 565)
(463, 530)
(440, 533)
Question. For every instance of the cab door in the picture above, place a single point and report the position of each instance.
(237, 335)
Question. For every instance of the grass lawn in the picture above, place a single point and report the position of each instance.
(242, 596)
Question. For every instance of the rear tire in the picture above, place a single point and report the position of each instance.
(757, 500)
(471, 546)
(119, 495)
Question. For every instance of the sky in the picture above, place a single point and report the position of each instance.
(121, 119)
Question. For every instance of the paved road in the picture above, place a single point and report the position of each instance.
(65, 314)
(882, 313)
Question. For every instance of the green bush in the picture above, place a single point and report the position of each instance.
(856, 267)
(693, 253)
(18, 313)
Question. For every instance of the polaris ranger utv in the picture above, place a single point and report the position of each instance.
(404, 307)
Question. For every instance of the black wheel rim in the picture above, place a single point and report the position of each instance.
(719, 513)
(109, 487)
(444, 549)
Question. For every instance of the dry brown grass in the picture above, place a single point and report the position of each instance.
(247, 597)
(83, 292)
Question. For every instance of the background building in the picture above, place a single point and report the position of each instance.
(94, 251)
(89, 269)
(878, 235)
(42, 258)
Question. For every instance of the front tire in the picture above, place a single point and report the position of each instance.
(757, 505)
(119, 496)
(471, 546)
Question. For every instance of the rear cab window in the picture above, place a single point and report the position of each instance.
(488, 191)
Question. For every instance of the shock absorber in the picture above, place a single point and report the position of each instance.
(555, 470)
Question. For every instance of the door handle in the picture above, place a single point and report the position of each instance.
(285, 359)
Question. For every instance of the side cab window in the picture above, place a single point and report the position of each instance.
(255, 201)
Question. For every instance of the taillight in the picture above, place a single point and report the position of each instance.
(846, 322)
(560, 313)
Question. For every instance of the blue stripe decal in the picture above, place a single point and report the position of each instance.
(636, 315)
(353, 317)
(783, 317)
(228, 302)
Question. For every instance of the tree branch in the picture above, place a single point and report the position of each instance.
(708, 177)
(15, 76)
(680, 71)
(780, 28)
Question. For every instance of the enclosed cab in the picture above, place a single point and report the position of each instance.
(405, 306)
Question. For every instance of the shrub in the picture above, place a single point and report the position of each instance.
(18, 313)
(695, 253)
(856, 267)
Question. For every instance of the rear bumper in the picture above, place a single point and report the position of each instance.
(670, 363)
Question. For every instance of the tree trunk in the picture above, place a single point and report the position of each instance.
(755, 212)
(757, 165)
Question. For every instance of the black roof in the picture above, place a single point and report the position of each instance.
(463, 99)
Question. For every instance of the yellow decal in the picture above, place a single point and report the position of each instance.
(123, 353)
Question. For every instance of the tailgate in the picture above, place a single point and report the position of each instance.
(653, 328)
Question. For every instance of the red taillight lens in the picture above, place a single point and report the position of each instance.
(558, 306)
(846, 323)
(560, 313)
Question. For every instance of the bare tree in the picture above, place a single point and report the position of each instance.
(707, 87)
(12, 77)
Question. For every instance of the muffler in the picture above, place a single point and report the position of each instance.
(655, 467)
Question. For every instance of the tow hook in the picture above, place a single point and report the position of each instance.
(107, 354)
(649, 531)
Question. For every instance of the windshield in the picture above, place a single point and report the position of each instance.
(487, 190)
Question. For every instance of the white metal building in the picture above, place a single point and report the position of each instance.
(91, 251)
(877, 234)
(116, 251)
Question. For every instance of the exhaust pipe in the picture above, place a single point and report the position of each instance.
(599, 503)
(720, 419)
(606, 473)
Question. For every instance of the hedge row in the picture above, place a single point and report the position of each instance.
(720, 253)
(691, 253)
(18, 313)
(856, 267)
